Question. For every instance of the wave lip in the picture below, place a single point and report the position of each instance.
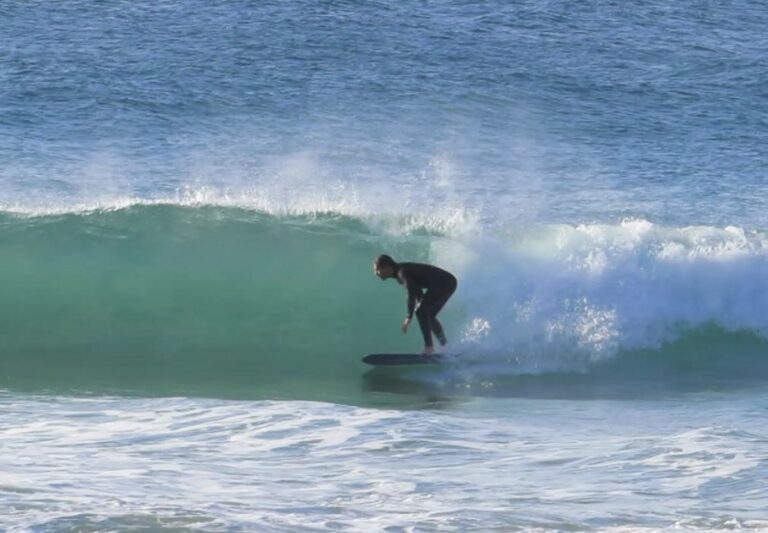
(381, 209)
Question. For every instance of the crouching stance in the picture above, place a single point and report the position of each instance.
(428, 285)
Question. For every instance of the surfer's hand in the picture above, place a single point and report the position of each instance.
(405, 325)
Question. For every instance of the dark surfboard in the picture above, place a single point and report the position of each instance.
(389, 359)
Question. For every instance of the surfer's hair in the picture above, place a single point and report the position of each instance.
(385, 261)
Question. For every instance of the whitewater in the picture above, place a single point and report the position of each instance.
(191, 198)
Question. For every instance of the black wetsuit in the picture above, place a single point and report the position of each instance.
(439, 286)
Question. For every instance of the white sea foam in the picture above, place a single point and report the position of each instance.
(588, 291)
(114, 463)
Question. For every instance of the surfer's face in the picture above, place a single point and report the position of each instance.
(383, 272)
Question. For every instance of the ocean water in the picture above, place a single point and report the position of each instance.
(191, 196)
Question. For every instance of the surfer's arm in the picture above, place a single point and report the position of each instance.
(414, 294)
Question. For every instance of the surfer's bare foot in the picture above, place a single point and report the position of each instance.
(428, 350)
(442, 339)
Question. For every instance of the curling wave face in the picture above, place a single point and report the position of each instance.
(223, 300)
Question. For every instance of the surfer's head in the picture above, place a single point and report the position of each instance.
(384, 267)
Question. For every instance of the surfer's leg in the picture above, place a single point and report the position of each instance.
(437, 329)
(425, 323)
(435, 300)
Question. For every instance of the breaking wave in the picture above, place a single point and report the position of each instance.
(221, 299)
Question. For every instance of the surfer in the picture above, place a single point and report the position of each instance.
(439, 285)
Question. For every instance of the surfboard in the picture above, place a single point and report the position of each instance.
(389, 359)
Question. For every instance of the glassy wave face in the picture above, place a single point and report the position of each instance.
(233, 301)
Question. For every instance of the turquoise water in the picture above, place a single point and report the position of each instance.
(191, 195)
